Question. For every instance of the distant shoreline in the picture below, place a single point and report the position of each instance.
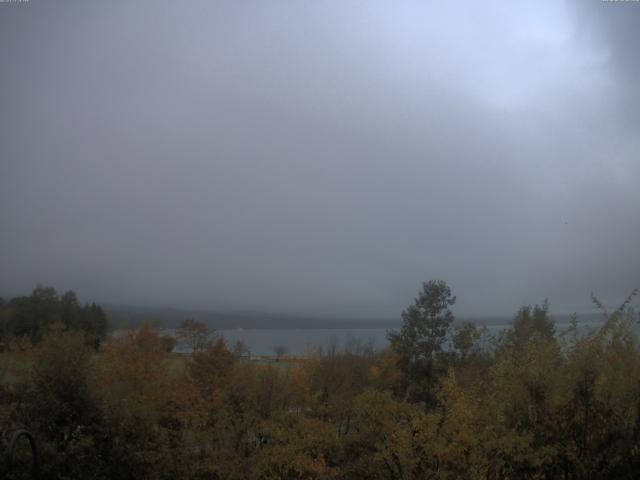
(121, 316)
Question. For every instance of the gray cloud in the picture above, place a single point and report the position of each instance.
(320, 157)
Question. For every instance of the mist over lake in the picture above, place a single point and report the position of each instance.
(299, 342)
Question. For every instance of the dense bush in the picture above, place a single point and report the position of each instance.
(532, 404)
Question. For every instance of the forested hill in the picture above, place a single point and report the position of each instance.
(124, 316)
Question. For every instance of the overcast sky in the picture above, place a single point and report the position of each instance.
(321, 157)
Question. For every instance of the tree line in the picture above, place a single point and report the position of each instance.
(443, 401)
(30, 318)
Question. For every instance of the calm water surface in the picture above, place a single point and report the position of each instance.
(301, 341)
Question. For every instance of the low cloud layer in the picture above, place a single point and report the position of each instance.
(321, 158)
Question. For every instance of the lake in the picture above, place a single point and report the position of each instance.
(301, 341)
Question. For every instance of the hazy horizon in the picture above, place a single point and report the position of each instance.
(168, 315)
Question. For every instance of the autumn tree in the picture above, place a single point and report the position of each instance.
(530, 323)
(211, 366)
(169, 342)
(193, 334)
(141, 402)
(465, 339)
(289, 452)
(280, 351)
(334, 379)
(59, 406)
(382, 443)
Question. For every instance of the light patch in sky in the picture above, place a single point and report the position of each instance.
(507, 54)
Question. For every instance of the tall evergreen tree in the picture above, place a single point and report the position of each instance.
(419, 343)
